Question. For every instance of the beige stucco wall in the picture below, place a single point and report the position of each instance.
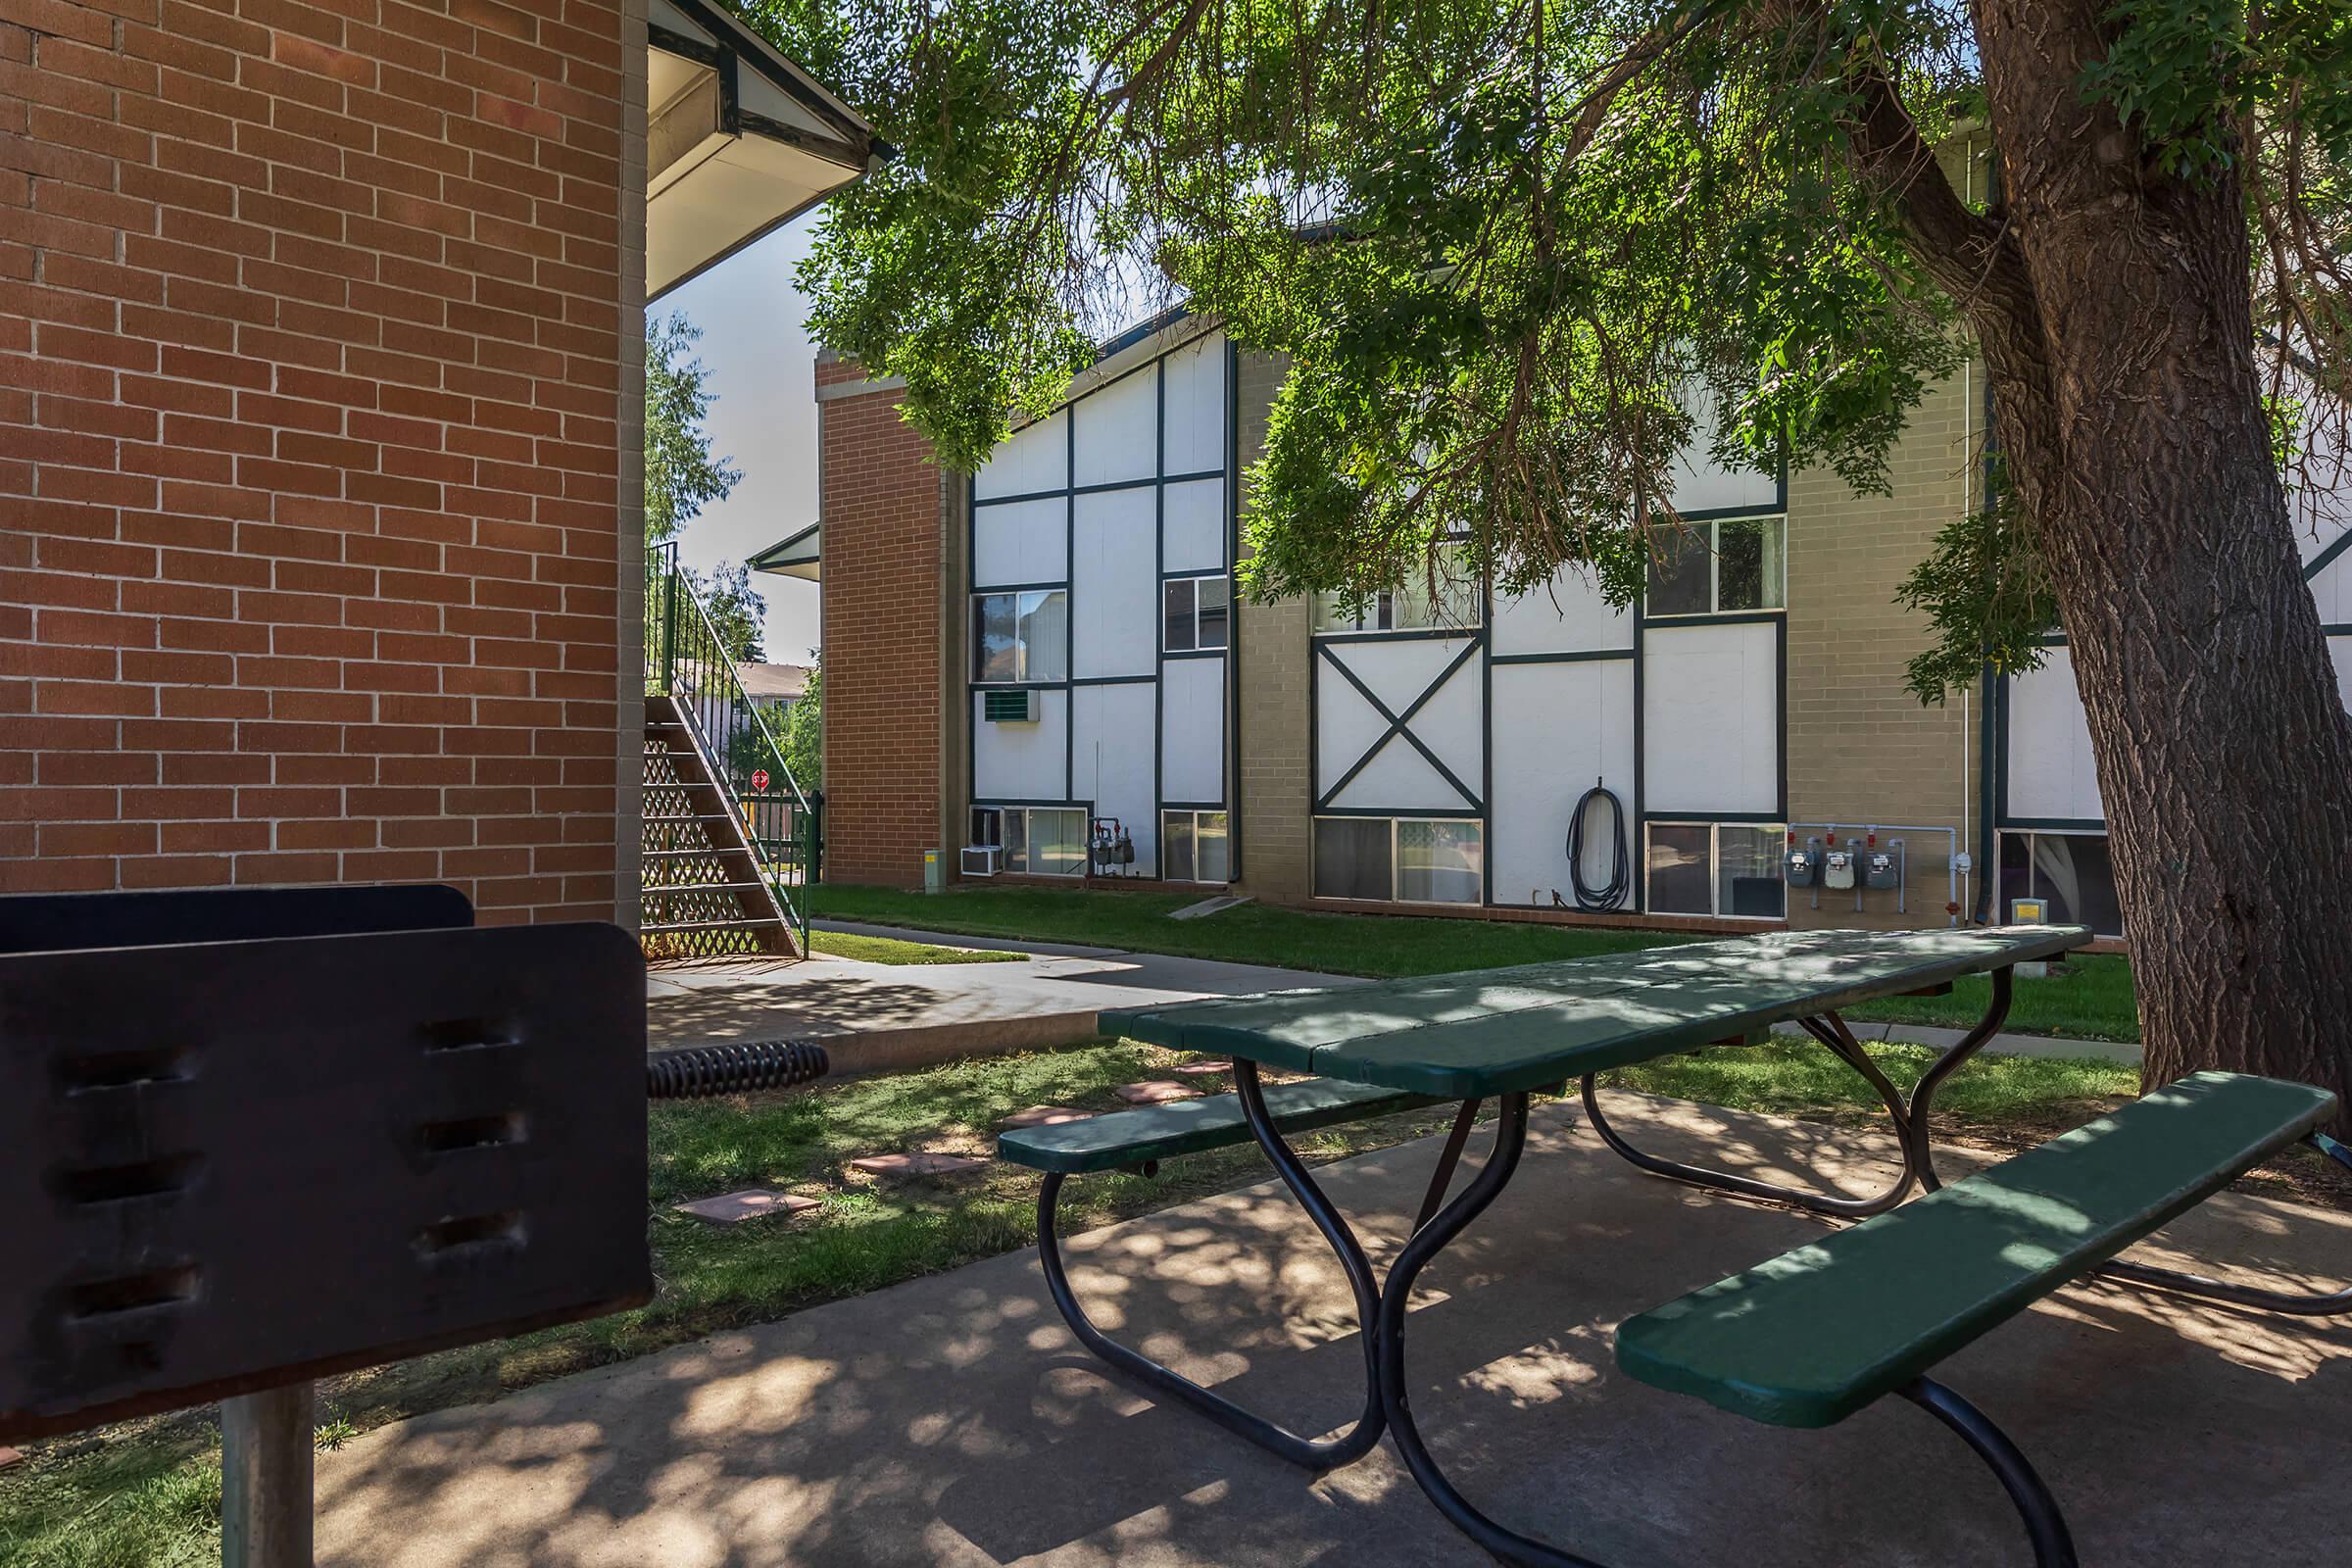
(1861, 749)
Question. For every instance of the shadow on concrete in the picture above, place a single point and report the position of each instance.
(814, 1002)
(952, 1420)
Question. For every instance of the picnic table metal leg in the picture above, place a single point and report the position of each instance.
(2179, 1282)
(1508, 1546)
(1923, 1093)
(1755, 1187)
(1441, 1179)
(1311, 1453)
(2045, 1526)
(1910, 1120)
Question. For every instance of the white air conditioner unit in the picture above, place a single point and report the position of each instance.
(983, 860)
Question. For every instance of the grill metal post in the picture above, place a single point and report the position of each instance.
(265, 1478)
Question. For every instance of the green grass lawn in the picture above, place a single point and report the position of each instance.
(147, 1495)
(1250, 933)
(890, 949)
(2087, 999)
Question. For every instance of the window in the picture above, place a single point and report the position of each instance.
(1682, 868)
(1038, 840)
(1729, 870)
(1411, 606)
(1719, 568)
(2073, 872)
(1056, 843)
(1198, 610)
(1195, 847)
(1400, 860)
(1020, 637)
(1439, 863)
(1353, 859)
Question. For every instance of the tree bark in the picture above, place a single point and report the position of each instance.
(2139, 446)
(2113, 307)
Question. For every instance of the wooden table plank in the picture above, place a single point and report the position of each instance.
(1496, 1031)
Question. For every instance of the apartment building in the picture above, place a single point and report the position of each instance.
(322, 345)
(1086, 696)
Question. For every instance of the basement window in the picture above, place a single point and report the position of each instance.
(1195, 847)
(1722, 568)
(1724, 870)
(1038, 840)
(1020, 636)
(2074, 873)
(1400, 860)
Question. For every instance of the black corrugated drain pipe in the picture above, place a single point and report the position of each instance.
(704, 1072)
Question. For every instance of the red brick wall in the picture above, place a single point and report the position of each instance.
(879, 496)
(309, 362)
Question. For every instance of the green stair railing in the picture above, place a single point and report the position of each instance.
(688, 661)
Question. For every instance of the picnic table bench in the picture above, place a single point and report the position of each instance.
(1803, 1340)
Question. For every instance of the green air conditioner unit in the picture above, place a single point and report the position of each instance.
(1010, 707)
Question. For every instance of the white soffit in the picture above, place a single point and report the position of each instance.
(739, 139)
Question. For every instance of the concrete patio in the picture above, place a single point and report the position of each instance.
(953, 1420)
(879, 1015)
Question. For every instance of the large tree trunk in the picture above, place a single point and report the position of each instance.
(2129, 413)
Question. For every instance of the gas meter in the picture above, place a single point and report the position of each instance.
(1883, 869)
(1803, 862)
(1838, 867)
(1111, 847)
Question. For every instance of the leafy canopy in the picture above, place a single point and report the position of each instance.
(801, 733)
(737, 611)
(682, 477)
(1519, 254)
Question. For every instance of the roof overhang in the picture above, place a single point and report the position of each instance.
(793, 557)
(739, 140)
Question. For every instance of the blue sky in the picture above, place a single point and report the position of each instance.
(760, 364)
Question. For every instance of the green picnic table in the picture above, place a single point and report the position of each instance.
(1505, 1034)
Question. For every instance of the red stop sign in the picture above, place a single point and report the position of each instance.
(760, 779)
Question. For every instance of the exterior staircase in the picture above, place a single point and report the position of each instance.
(727, 831)
(703, 893)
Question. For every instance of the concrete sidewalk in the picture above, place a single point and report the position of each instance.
(886, 1016)
(953, 1420)
(907, 1015)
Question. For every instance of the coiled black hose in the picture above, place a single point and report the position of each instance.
(703, 1072)
(1591, 900)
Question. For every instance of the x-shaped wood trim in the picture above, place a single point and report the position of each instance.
(1399, 723)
